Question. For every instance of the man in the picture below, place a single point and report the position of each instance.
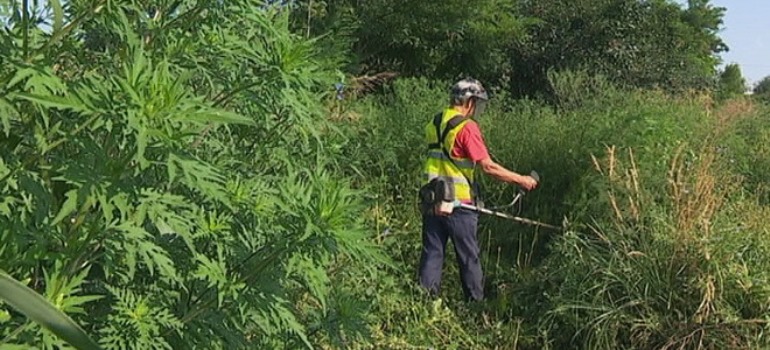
(454, 160)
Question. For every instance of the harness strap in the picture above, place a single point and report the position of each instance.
(441, 136)
(451, 124)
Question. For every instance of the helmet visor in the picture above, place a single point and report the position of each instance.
(481, 106)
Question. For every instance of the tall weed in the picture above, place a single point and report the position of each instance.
(166, 184)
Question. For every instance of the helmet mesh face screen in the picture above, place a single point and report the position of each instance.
(481, 105)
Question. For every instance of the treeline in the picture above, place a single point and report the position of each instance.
(513, 44)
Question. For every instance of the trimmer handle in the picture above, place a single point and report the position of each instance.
(535, 176)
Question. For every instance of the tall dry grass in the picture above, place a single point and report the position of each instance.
(662, 269)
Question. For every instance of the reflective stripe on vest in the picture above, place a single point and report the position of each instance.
(461, 163)
(460, 172)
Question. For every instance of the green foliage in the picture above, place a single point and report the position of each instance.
(165, 179)
(762, 89)
(635, 43)
(441, 40)
(731, 82)
(745, 145)
(418, 39)
(172, 175)
(661, 267)
(40, 310)
(514, 44)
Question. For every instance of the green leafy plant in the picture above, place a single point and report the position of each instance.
(163, 198)
(41, 311)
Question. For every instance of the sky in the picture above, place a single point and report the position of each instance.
(746, 31)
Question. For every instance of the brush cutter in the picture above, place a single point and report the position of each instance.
(495, 210)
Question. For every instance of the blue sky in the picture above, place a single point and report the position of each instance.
(746, 31)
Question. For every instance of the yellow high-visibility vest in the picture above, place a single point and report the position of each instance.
(440, 162)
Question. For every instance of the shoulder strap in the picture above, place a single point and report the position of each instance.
(451, 124)
(441, 136)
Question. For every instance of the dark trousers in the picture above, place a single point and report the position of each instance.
(461, 227)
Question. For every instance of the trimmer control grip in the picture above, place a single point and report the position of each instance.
(535, 176)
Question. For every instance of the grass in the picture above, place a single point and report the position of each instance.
(653, 258)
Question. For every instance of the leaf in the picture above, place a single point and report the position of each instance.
(314, 276)
(37, 80)
(58, 15)
(7, 113)
(198, 176)
(274, 317)
(219, 116)
(4, 170)
(20, 75)
(61, 290)
(214, 272)
(68, 206)
(54, 101)
(139, 246)
(133, 311)
(34, 306)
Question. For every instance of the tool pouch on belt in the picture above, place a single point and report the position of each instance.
(437, 197)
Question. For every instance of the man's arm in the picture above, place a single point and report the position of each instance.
(499, 172)
(472, 145)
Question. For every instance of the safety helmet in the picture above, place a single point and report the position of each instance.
(466, 89)
(469, 88)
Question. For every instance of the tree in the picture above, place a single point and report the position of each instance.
(636, 43)
(731, 82)
(644, 44)
(762, 89)
(438, 40)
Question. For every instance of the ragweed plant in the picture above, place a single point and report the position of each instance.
(163, 179)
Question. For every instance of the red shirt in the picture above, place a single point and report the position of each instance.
(470, 144)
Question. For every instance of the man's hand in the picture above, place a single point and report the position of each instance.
(528, 183)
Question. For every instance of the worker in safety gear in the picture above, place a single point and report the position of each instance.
(455, 149)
